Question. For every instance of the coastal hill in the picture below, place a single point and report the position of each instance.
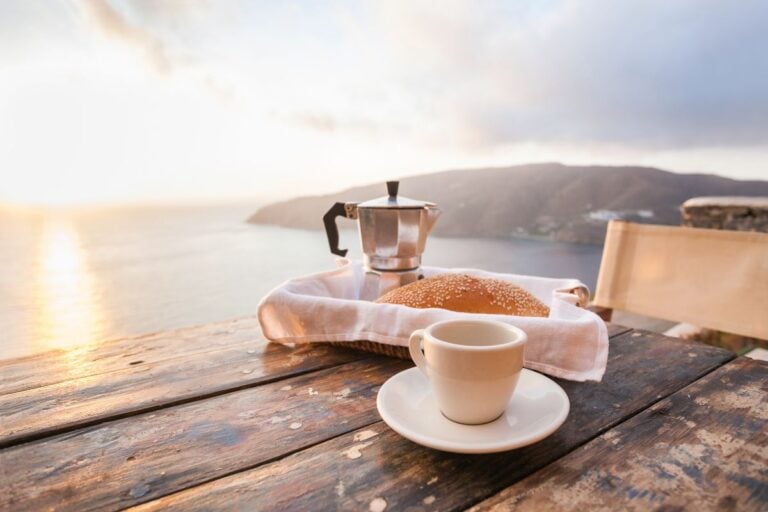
(550, 200)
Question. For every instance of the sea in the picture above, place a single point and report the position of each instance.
(69, 278)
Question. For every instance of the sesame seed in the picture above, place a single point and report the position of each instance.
(463, 293)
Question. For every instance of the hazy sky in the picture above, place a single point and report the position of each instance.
(133, 100)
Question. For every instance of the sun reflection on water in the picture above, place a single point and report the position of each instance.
(69, 311)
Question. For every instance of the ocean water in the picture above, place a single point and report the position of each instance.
(70, 278)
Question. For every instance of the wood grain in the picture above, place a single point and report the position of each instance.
(70, 404)
(57, 366)
(642, 368)
(95, 359)
(91, 384)
(119, 463)
(616, 329)
(702, 448)
(113, 355)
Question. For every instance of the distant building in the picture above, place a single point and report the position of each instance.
(607, 215)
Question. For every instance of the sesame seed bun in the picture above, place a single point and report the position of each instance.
(467, 294)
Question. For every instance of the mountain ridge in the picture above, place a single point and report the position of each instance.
(546, 200)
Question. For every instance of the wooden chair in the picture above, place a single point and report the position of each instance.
(705, 277)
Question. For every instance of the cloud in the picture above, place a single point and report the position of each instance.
(221, 90)
(316, 121)
(150, 30)
(653, 74)
(113, 24)
(644, 74)
(343, 124)
(171, 9)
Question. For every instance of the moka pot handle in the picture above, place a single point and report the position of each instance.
(347, 210)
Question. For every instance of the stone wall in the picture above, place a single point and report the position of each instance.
(733, 213)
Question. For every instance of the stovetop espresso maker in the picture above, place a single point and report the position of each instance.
(393, 232)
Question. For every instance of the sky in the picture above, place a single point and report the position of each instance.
(106, 101)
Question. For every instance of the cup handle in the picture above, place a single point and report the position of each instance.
(414, 347)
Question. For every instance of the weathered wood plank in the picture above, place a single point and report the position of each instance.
(616, 329)
(70, 404)
(174, 368)
(702, 448)
(116, 378)
(642, 368)
(62, 365)
(119, 463)
(94, 359)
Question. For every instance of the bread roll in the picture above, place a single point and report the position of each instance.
(467, 294)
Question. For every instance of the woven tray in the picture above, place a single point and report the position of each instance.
(376, 348)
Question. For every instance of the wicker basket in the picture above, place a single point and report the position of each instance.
(376, 348)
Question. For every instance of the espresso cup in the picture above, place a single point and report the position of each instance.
(472, 365)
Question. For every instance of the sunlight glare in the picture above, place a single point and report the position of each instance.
(70, 314)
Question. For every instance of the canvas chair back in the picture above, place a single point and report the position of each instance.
(705, 277)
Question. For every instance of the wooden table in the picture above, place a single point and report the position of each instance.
(213, 417)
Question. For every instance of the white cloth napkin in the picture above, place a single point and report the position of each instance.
(572, 343)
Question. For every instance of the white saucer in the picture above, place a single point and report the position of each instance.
(538, 407)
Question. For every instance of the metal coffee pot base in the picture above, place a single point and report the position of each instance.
(378, 282)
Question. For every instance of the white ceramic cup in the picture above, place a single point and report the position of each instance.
(472, 365)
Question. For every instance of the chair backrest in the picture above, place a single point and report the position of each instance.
(706, 277)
